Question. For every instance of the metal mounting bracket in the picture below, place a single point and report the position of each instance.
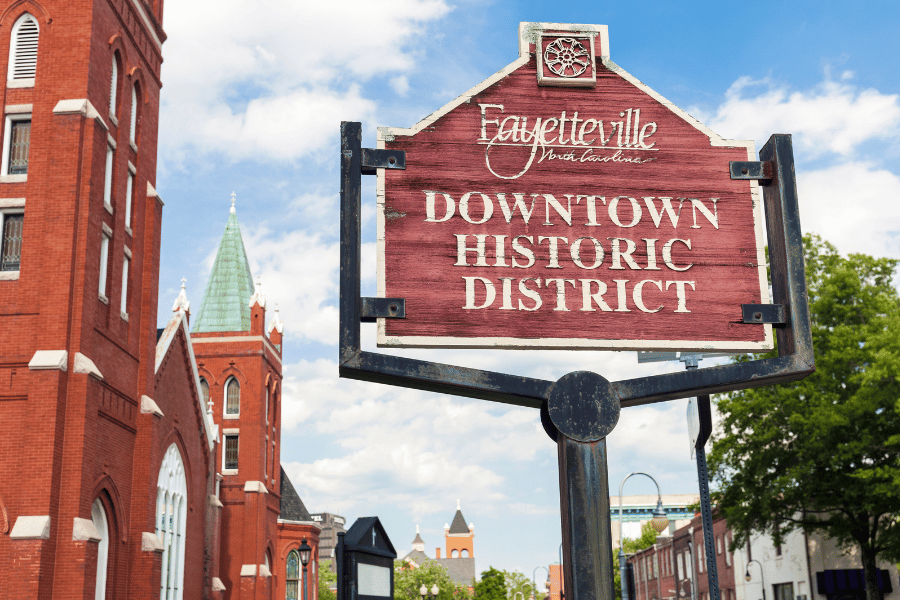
(742, 169)
(382, 159)
(381, 308)
(763, 313)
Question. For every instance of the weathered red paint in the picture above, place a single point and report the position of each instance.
(579, 177)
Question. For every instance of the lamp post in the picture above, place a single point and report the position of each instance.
(762, 576)
(534, 578)
(423, 591)
(659, 522)
(305, 551)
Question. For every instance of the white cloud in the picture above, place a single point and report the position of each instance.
(854, 205)
(831, 117)
(277, 75)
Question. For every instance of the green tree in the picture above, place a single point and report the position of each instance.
(408, 580)
(517, 582)
(492, 585)
(630, 546)
(327, 580)
(823, 454)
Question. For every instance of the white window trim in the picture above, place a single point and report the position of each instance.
(134, 109)
(13, 44)
(114, 89)
(104, 263)
(98, 516)
(171, 499)
(108, 175)
(230, 433)
(18, 115)
(10, 206)
(129, 195)
(123, 300)
(225, 413)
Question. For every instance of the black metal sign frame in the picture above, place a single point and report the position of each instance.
(581, 408)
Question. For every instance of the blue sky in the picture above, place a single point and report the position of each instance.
(252, 101)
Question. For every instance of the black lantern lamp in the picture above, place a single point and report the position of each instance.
(305, 552)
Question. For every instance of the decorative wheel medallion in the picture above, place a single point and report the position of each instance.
(567, 57)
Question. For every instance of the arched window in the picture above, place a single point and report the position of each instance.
(232, 397)
(292, 578)
(135, 106)
(114, 86)
(23, 49)
(464, 553)
(454, 554)
(171, 512)
(98, 516)
(204, 392)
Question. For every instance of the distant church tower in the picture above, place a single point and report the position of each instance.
(240, 377)
(459, 538)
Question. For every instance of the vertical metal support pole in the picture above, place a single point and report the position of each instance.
(706, 515)
(351, 185)
(339, 565)
(586, 529)
(305, 582)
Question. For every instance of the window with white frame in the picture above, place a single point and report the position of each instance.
(123, 303)
(98, 516)
(204, 391)
(23, 50)
(16, 143)
(171, 514)
(232, 398)
(230, 452)
(132, 131)
(129, 193)
(104, 261)
(11, 222)
(108, 177)
(114, 86)
(292, 576)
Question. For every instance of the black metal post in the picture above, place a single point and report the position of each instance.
(586, 529)
(706, 515)
(305, 581)
(339, 564)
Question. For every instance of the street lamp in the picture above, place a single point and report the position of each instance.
(659, 522)
(534, 578)
(762, 576)
(423, 591)
(305, 551)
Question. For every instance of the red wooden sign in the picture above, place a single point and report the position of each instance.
(563, 204)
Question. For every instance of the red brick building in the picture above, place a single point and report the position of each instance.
(115, 480)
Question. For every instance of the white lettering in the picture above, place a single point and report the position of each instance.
(464, 208)
(681, 294)
(667, 254)
(588, 296)
(530, 293)
(575, 251)
(637, 295)
(429, 207)
(613, 210)
(489, 293)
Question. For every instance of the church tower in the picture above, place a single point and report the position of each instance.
(79, 250)
(459, 537)
(239, 362)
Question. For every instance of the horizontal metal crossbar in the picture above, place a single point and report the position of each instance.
(382, 159)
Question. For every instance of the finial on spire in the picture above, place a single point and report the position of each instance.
(233, 211)
(457, 504)
(181, 302)
(417, 530)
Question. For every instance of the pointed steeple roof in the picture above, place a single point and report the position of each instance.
(226, 301)
(459, 522)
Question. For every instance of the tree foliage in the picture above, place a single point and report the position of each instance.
(408, 580)
(822, 453)
(492, 585)
(516, 582)
(327, 580)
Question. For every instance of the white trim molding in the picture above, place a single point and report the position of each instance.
(84, 530)
(31, 528)
(83, 364)
(150, 407)
(150, 542)
(49, 359)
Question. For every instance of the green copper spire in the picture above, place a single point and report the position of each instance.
(226, 301)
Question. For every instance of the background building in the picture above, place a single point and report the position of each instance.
(134, 462)
(459, 550)
(331, 526)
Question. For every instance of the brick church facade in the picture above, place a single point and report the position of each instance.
(134, 462)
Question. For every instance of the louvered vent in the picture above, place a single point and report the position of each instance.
(25, 58)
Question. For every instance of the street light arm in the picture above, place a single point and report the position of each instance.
(621, 487)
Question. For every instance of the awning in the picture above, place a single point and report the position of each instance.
(832, 581)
